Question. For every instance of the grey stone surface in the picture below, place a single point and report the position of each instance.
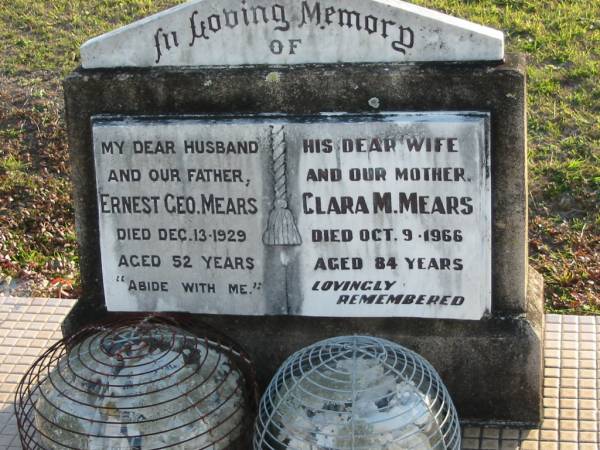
(308, 90)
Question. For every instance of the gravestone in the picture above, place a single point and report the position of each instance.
(290, 171)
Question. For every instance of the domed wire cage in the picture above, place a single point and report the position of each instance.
(356, 393)
(142, 383)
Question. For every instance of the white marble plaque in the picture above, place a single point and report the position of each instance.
(381, 215)
(182, 207)
(282, 32)
(395, 216)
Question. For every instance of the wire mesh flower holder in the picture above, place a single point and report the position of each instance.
(356, 393)
(148, 382)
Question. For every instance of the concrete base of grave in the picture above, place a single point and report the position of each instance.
(492, 368)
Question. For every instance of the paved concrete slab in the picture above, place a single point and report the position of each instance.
(571, 399)
(28, 326)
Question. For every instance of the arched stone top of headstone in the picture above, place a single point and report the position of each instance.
(282, 32)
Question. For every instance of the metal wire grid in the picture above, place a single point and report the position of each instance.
(95, 372)
(313, 401)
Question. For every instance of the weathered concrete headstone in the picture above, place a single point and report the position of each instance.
(256, 163)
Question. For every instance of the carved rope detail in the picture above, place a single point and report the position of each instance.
(281, 228)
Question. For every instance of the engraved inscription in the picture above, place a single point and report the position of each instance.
(373, 215)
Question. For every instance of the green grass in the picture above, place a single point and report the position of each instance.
(44, 35)
(39, 41)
